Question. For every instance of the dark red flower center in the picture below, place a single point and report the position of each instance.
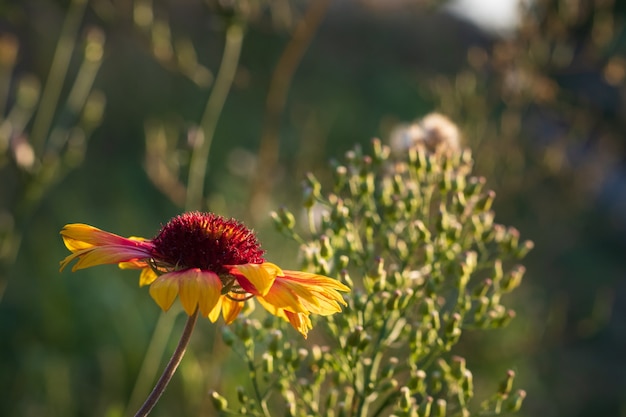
(206, 241)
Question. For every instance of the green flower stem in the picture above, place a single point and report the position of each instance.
(171, 367)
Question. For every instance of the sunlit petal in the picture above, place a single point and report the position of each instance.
(100, 255)
(215, 312)
(255, 278)
(147, 277)
(300, 321)
(232, 308)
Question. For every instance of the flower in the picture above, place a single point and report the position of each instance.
(212, 264)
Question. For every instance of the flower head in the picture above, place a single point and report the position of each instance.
(210, 263)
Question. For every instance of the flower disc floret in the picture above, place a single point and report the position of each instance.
(206, 241)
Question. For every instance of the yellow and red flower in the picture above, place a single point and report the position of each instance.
(211, 264)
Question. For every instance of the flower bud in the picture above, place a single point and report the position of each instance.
(425, 406)
(220, 403)
(458, 367)
(485, 201)
(439, 410)
(513, 279)
(354, 338)
(514, 402)
(268, 363)
(241, 395)
(482, 289)
(467, 384)
(283, 219)
(507, 384)
(417, 381)
(405, 398)
(326, 250)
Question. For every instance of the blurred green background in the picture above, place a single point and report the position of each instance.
(102, 105)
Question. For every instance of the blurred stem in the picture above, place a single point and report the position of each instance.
(169, 370)
(56, 76)
(277, 97)
(212, 112)
(152, 359)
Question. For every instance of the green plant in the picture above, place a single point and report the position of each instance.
(414, 234)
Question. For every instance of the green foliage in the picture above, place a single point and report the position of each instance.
(414, 235)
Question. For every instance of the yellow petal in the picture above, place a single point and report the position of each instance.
(215, 313)
(164, 290)
(300, 321)
(261, 276)
(282, 297)
(231, 309)
(210, 287)
(188, 289)
(147, 277)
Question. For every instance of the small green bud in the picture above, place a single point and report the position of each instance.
(268, 363)
(523, 250)
(331, 399)
(458, 367)
(497, 270)
(241, 395)
(439, 410)
(417, 381)
(283, 219)
(436, 381)
(365, 341)
(467, 384)
(381, 152)
(485, 201)
(220, 403)
(394, 300)
(354, 338)
(326, 250)
(405, 398)
(341, 176)
(453, 323)
(423, 232)
(512, 239)
(513, 279)
(342, 262)
(389, 369)
(435, 320)
(482, 289)
(507, 384)
(425, 406)
(514, 402)
(378, 273)
(427, 306)
(390, 384)
(345, 278)
(474, 186)
(275, 346)
(443, 220)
